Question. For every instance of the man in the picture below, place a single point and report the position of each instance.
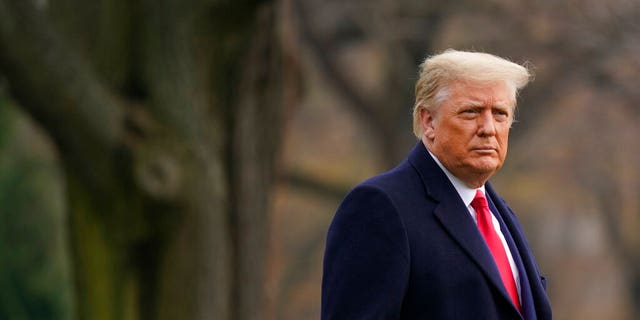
(431, 239)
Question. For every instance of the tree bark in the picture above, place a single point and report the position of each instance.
(169, 149)
(256, 136)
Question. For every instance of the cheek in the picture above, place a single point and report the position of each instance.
(503, 140)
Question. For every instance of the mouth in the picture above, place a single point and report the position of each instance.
(485, 150)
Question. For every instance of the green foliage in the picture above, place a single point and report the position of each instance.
(34, 275)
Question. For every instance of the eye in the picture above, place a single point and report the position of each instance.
(469, 111)
(501, 114)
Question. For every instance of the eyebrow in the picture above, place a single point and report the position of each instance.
(478, 103)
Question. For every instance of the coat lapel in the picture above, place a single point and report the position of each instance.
(454, 216)
(528, 307)
(535, 302)
(461, 227)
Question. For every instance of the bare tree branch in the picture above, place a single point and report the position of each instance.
(320, 187)
(358, 103)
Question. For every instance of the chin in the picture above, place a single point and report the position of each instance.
(486, 168)
(487, 164)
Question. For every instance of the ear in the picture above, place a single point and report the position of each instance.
(427, 121)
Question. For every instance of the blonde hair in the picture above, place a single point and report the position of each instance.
(439, 71)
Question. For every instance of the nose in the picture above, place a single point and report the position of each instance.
(486, 124)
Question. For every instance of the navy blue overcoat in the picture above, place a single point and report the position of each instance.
(402, 245)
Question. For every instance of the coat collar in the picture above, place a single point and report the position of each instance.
(454, 216)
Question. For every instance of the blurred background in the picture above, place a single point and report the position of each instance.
(183, 159)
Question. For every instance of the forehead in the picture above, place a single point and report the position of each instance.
(486, 94)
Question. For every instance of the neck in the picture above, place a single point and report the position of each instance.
(475, 183)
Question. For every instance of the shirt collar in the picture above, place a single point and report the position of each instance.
(466, 194)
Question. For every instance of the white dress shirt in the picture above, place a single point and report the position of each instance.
(467, 194)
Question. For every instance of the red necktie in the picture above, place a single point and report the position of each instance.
(490, 236)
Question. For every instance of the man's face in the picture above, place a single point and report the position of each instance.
(469, 132)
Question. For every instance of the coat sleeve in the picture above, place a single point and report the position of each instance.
(366, 262)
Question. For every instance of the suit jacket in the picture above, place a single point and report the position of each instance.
(402, 245)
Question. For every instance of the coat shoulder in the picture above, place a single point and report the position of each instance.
(398, 180)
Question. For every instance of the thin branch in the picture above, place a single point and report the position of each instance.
(358, 103)
(306, 182)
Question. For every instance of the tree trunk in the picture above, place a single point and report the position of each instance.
(167, 117)
(257, 132)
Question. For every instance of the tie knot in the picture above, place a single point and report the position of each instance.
(479, 201)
